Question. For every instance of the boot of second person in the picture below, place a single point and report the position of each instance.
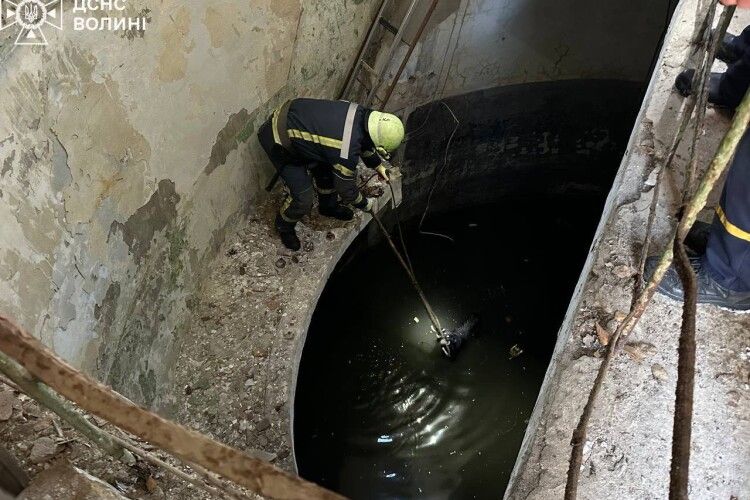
(684, 85)
(287, 233)
(708, 290)
(329, 206)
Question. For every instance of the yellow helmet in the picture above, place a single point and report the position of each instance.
(386, 131)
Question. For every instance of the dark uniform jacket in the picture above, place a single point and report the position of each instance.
(330, 132)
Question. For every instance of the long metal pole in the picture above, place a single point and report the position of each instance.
(433, 318)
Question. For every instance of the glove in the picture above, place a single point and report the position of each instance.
(382, 171)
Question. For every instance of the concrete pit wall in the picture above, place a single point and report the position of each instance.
(125, 156)
(470, 45)
(526, 140)
(545, 94)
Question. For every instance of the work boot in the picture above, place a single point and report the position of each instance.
(684, 85)
(727, 51)
(287, 233)
(709, 291)
(329, 206)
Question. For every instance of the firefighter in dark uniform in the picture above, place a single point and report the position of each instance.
(315, 145)
(723, 271)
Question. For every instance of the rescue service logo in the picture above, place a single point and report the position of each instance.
(30, 17)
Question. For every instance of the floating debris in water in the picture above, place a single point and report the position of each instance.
(515, 351)
(416, 320)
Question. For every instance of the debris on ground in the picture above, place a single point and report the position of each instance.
(658, 372)
(602, 335)
(64, 481)
(41, 443)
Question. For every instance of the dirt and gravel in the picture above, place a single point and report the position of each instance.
(40, 441)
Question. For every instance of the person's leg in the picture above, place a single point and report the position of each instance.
(733, 46)
(727, 255)
(265, 137)
(736, 80)
(724, 89)
(297, 179)
(741, 42)
(297, 204)
(328, 198)
(723, 272)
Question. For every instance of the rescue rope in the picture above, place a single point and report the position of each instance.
(436, 177)
(400, 231)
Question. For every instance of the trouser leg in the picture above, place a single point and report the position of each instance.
(735, 81)
(727, 255)
(323, 182)
(298, 202)
(296, 177)
(274, 151)
(742, 41)
(329, 203)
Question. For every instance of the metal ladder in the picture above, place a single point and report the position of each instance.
(381, 23)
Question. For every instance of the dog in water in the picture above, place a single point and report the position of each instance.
(452, 340)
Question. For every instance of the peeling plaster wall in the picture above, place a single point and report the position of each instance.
(124, 158)
(470, 45)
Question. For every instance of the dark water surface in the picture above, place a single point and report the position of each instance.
(380, 412)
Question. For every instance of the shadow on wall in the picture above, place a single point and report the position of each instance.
(542, 138)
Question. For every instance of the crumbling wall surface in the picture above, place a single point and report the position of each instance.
(628, 448)
(125, 156)
(470, 45)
